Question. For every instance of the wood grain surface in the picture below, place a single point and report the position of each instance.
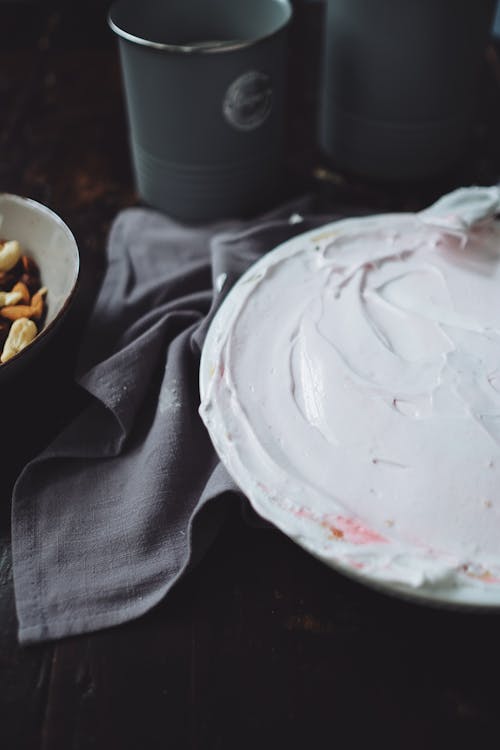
(261, 645)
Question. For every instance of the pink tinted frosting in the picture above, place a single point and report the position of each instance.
(357, 377)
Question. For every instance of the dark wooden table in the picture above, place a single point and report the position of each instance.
(261, 645)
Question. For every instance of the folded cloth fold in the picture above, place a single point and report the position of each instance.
(107, 518)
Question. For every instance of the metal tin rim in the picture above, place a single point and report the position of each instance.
(189, 49)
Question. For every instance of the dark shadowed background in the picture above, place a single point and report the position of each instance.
(261, 645)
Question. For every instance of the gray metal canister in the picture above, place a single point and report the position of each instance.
(399, 81)
(205, 88)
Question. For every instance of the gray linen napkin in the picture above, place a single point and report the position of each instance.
(103, 521)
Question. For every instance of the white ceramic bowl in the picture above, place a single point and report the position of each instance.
(45, 238)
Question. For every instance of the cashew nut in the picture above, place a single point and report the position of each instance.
(37, 303)
(10, 298)
(16, 312)
(10, 252)
(23, 290)
(22, 332)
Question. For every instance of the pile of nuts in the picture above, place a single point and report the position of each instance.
(22, 299)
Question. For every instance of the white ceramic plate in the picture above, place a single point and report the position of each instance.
(470, 593)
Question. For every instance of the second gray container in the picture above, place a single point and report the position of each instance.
(399, 83)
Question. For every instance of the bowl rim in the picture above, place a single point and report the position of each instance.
(41, 208)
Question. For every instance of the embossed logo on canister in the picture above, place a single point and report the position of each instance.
(248, 100)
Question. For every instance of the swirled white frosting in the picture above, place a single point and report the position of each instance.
(356, 391)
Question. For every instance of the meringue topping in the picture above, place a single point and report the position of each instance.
(356, 389)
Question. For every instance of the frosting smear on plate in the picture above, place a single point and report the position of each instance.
(355, 391)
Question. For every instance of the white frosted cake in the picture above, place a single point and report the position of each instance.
(351, 386)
